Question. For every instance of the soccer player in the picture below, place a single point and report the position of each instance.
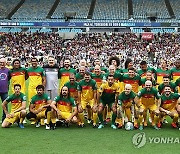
(126, 104)
(116, 62)
(64, 107)
(107, 95)
(72, 86)
(18, 108)
(148, 99)
(169, 102)
(4, 82)
(149, 76)
(97, 76)
(80, 74)
(51, 72)
(87, 92)
(132, 78)
(178, 84)
(97, 62)
(18, 75)
(144, 69)
(166, 81)
(40, 107)
(65, 72)
(128, 64)
(36, 75)
(162, 71)
(175, 72)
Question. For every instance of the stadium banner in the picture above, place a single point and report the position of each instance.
(147, 36)
(87, 24)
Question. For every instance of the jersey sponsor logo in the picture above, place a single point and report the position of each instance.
(16, 101)
(34, 74)
(3, 76)
(131, 81)
(176, 73)
(65, 74)
(172, 101)
(72, 90)
(162, 74)
(109, 91)
(127, 101)
(86, 87)
(40, 101)
(17, 73)
(148, 96)
(64, 103)
(98, 79)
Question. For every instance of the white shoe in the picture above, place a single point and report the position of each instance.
(47, 127)
(24, 121)
(38, 125)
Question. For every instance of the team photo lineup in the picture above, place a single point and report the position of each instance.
(94, 90)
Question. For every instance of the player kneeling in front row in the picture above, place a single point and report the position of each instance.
(148, 99)
(126, 104)
(107, 95)
(169, 104)
(40, 108)
(64, 108)
(18, 108)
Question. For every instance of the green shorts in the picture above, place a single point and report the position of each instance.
(106, 103)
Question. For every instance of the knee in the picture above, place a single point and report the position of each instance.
(23, 112)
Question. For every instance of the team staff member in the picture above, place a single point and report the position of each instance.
(18, 108)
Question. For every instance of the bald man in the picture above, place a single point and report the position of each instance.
(126, 104)
(4, 78)
(148, 98)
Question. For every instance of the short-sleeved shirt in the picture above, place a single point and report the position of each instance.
(72, 89)
(35, 76)
(170, 102)
(160, 73)
(108, 92)
(16, 101)
(64, 104)
(124, 99)
(171, 84)
(175, 74)
(79, 77)
(39, 101)
(148, 97)
(134, 82)
(143, 80)
(142, 73)
(87, 89)
(98, 79)
(64, 75)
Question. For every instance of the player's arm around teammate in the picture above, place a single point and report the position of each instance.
(18, 108)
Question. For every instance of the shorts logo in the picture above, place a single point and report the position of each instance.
(139, 140)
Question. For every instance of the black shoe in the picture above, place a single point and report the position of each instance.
(52, 126)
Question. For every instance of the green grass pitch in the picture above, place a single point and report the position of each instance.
(88, 140)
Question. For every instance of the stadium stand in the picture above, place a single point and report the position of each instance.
(33, 9)
(81, 7)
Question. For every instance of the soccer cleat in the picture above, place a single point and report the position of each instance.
(38, 125)
(159, 124)
(21, 125)
(156, 128)
(101, 126)
(119, 126)
(113, 126)
(136, 126)
(66, 125)
(165, 121)
(174, 125)
(95, 125)
(145, 123)
(141, 127)
(48, 127)
(52, 127)
(24, 121)
(105, 122)
(81, 125)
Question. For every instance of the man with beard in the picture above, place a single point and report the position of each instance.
(107, 95)
(169, 102)
(87, 91)
(64, 108)
(18, 75)
(51, 71)
(148, 99)
(97, 62)
(40, 108)
(36, 75)
(65, 72)
(18, 108)
(80, 74)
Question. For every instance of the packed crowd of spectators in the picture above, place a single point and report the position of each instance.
(89, 46)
